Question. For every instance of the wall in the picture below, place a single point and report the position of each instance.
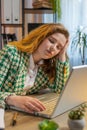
(31, 18)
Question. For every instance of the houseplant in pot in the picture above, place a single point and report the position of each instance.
(79, 42)
(76, 120)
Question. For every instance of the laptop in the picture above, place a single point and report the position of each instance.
(73, 94)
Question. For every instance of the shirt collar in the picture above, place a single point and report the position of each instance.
(32, 64)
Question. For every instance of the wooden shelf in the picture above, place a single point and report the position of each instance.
(4, 25)
(11, 25)
(38, 11)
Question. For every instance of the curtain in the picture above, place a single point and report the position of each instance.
(74, 15)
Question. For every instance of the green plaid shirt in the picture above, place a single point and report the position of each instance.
(13, 70)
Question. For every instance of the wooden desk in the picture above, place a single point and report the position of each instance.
(26, 122)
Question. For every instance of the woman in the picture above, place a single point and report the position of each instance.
(37, 61)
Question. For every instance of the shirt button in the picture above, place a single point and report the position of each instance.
(9, 84)
(12, 77)
(64, 70)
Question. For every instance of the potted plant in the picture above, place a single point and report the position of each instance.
(56, 6)
(76, 120)
(48, 125)
(79, 41)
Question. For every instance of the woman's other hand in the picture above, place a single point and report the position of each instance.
(62, 54)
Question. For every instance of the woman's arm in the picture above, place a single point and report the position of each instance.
(26, 103)
(62, 70)
(62, 73)
(5, 64)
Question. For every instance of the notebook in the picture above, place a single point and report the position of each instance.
(73, 94)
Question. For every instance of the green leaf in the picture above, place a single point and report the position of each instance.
(48, 125)
(43, 125)
(56, 5)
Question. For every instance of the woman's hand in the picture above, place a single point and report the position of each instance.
(62, 54)
(26, 103)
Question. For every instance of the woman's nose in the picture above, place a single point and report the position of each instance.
(52, 48)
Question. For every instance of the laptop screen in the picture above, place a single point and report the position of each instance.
(74, 92)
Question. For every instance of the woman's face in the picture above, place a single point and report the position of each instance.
(51, 46)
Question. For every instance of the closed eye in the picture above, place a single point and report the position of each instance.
(51, 40)
(59, 47)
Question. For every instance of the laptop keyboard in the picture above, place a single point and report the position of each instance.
(50, 105)
(49, 101)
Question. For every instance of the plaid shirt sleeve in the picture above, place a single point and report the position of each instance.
(5, 63)
(62, 73)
